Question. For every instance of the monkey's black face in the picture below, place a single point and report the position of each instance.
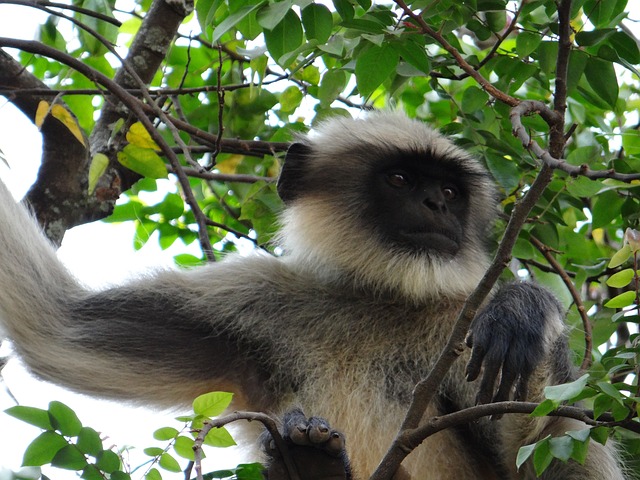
(420, 205)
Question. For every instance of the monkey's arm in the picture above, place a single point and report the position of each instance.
(161, 340)
(520, 338)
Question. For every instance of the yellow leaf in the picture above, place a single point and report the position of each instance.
(65, 116)
(99, 164)
(41, 113)
(138, 136)
(230, 164)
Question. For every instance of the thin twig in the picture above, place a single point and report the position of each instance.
(577, 299)
(42, 5)
(268, 422)
(462, 63)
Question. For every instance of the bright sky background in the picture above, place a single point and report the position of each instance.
(98, 254)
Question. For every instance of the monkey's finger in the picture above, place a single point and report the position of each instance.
(487, 385)
(475, 363)
(468, 340)
(336, 444)
(522, 389)
(318, 430)
(507, 380)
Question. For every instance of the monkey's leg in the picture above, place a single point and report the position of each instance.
(317, 450)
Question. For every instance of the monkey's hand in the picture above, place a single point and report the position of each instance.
(317, 450)
(510, 336)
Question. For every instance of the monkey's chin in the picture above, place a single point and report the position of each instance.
(431, 242)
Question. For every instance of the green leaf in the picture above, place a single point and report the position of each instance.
(31, 415)
(144, 230)
(229, 22)
(620, 257)
(183, 446)
(586, 39)
(580, 435)
(97, 168)
(473, 99)
(64, 419)
(583, 187)
(165, 433)
(526, 43)
(601, 13)
(602, 404)
(188, 260)
(169, 463)
(317, 21)
(547, 53)
(584, 155)
(566, 391)
(285, 37)
(332, 84)
(153, 451)
(602, 77)
(374, 66)
(153, 474)
(631, 142)
(172, 206)
(144, 161)
(611, 391)
(89, 441)
(119, 475)
(91, 472)
(212, 404)
(625, 46)
(108, 461)
(205, 11)
(577, 63)
(290, 99)
(561, 447)
(542, 457)
(599, 434)
(69, 458)
(606, 208)
(621, 279)
(42, 450)
(414, 53)
(344, 9)
(219, 437)
(523, 454)
(620, 301)
(545, 408)
(272, 14)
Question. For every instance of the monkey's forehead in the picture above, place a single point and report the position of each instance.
(386, 133)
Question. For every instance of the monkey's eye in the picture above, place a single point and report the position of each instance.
(450, 192)
(399, 179)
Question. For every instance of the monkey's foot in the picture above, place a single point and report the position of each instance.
(317, 451)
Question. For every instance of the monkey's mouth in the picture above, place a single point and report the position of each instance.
(438, 241)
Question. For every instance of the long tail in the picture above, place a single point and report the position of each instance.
(151, 341)
(34, 286)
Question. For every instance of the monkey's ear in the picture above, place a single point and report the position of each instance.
(291, 180)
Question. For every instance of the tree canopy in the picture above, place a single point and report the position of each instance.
(544, 92)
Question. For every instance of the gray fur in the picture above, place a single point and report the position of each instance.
(340, 325)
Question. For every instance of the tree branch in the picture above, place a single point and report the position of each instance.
(63, 159)
(462, 63)
(534, 106)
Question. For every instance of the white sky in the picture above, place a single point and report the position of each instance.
(98, 254)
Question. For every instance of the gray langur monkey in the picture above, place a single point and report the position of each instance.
(384, 233)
